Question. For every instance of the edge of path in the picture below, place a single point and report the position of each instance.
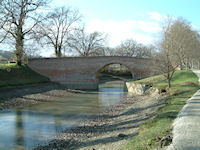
(186, 127)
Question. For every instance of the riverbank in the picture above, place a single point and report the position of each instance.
(21, 96)
(157, 133)
(14, 75)
(111, 128)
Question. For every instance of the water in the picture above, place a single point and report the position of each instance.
(27, 127)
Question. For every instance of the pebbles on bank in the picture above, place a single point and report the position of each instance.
(109, 129)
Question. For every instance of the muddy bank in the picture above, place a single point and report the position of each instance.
(111, 128)
(20, 96)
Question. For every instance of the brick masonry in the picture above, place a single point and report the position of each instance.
(84, 71)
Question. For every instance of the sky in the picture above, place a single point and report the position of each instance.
(132, 19)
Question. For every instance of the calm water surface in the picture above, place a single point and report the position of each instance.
(25, 128)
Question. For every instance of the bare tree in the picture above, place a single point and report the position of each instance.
(179, 43)
(3, 35)
(55, 29)
(166, 62)
(131, 48)
(143, 51)
(32, 50)
(127, 48)
(184, 41)
(84, 44)
(19, 18)
(108, 51)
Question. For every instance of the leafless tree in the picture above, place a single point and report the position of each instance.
(109, 51)
(3, 35)
(184, 41)
(164, 60)
(19, 18)
(127, 48)
(87, 44)
(179, 43)
(32, 50)
(131, 48)
(54, 31)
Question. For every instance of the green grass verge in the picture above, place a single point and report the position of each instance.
(184, 85)
(11, 74)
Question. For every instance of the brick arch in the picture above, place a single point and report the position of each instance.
(106, 65)
(81, 72)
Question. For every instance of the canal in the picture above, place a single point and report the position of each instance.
(27, 127)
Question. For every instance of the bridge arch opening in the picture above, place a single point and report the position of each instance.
(114, 71)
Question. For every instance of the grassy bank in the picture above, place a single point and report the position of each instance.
(11, 74)
(184, 85)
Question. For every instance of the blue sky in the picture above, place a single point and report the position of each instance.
(132, 19)
(133, 9)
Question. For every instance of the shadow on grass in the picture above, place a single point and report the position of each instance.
(171, 115)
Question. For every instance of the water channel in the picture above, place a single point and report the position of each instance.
(27, 127)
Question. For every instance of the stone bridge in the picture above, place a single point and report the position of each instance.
(83, 72)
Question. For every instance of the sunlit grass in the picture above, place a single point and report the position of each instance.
(184, 85)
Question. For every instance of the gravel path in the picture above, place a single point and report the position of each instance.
(186, 131)
(110, 129)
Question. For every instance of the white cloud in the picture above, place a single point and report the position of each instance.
(156, 16)
(141, 31)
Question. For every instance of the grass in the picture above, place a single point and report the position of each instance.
(12, 75)
(184, 85)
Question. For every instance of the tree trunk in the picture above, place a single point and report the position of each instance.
(19, 54)
(168, 79)
(181, 65)
(169, 83)
(58, 52)
(19, 47)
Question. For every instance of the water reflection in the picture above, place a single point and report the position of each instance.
(111, 90)
(20, 128)
(27, 127)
